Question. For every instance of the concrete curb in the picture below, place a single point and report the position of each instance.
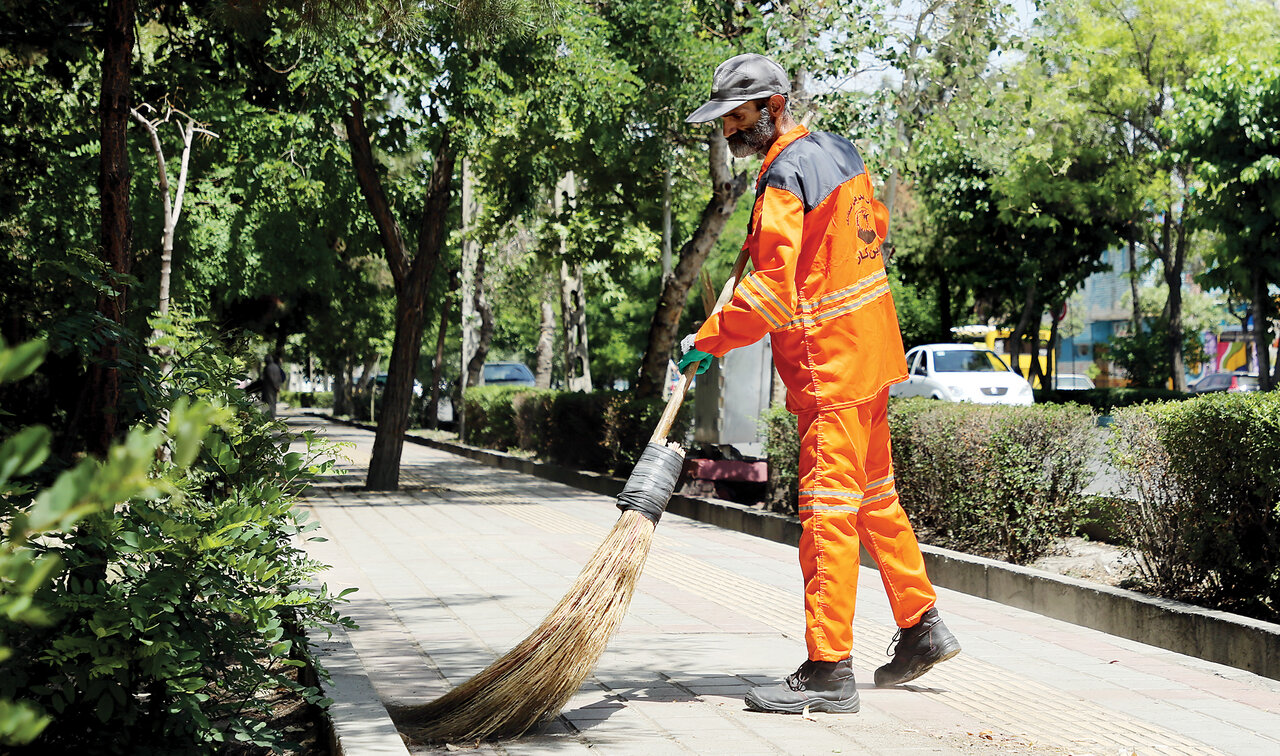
(358, 722)
(1222, 637)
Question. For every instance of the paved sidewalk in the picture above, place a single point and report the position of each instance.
(464, 561)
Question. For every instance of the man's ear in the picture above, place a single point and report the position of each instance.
(777, 103)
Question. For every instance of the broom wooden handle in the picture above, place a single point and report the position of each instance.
(677, 395)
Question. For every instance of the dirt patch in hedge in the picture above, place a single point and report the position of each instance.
(1091, 560)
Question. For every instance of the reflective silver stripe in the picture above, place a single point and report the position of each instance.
(832, 492)
(810, 318)
(850, 508)
(783, 309)
(755, 305)
(881, 482)
(859, 303)
(887, 494)
(857, 286)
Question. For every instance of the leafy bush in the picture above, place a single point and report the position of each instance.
(1207, 521)
(993, 480)
(1145, 356)
(181, 600)
(603, 431)
(577, 430)
(533, 420)
(1105, 400)
(782, 447)
(989, 479)
(305, 399)
(629, 424)
(491, 418)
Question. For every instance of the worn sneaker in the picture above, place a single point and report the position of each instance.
(817, 685)
(919, 647)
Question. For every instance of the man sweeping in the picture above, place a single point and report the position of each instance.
(820, 290)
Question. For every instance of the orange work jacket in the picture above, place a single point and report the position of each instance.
(819, 285)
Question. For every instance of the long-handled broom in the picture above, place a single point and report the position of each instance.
(534, 680)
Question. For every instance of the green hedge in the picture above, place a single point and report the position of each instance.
(602, 431)
(992, 480)
(491, 418)
(1105, 400)
(782, 448)
(305, 399)
(1207, 522)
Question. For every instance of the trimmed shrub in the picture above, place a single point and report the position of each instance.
(782, 447)
(1104, 400)
(491, 418)
(533, 420)
(577, 432)
(307, 399)
(989, 479)
(629, 423)
(1207, 521)
(603, 431)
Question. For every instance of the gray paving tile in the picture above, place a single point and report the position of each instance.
(455, 574)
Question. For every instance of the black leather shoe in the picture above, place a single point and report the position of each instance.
(819, 685)
(919, 647)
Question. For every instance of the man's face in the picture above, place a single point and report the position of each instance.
(748, 129)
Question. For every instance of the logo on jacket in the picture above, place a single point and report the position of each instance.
(866, 224)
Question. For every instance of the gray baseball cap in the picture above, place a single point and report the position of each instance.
(740, 79)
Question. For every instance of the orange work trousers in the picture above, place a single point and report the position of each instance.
(847, 497)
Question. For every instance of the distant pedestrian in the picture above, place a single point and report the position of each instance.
(819, 288)
(272, 379)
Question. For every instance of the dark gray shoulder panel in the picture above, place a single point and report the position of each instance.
(812, 167)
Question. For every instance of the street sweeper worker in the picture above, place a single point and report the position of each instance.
(819, 289)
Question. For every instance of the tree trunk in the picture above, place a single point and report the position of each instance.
(573, 302)
(666, 222)
(1015, 340)
(411, 276)
(546, 344)
(484, 335)
(1261, 328)
(726, 188)
(437, 367)
(1052, 362)
(343, 402)
(1133, 285)
(945, 323)
(1036, 371)
(1174, 244)
(471, 318)
(103, 385)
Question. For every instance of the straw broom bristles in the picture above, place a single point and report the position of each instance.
(534, 680)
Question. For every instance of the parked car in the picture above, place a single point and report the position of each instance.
(380, 382)
(1232, 382)
(962, 373)
(506, 374)
(1072, 382)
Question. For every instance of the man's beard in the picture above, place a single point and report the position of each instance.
(754, 140)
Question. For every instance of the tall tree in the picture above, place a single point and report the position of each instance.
(1229, 127)
(103, 387)
(1152, 47)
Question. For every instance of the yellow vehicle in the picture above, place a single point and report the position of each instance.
(997, 340)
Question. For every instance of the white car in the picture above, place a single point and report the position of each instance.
(1072, 382)
(962, 373)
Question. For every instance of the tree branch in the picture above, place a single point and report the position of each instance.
(371, 188)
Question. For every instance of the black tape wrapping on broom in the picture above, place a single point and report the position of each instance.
(651, 484)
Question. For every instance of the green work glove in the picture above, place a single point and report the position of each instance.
(692, 355)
